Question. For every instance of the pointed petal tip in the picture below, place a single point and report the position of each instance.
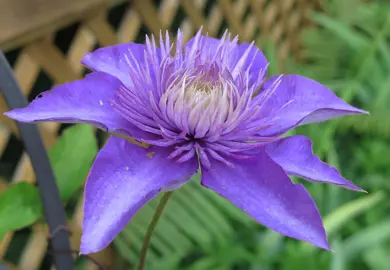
(327, 247)
(290, 209)
(18, 115)
(86, 59)
(320, 242)
(351, 186)
(354, 187)
(86, 247)
(295, 155)
(362, 190)
(9, 113)
(359, 111)
(292, 98)
(324, 245)
(83, 249)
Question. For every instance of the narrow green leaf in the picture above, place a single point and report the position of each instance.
(270, 52)
(156, 241)
(71, 158)
(207, 263)
(338, 259)
(193, 227)
(197, 212)
(269, 244)
(20, 206)
(377, 257)
(366, 239)
(122, 246)
(345, 213)
(344, 32)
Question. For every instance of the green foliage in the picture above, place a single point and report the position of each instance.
(71, 158)
(350, 53)
(345, 213)
(20, 206)
(372, 237)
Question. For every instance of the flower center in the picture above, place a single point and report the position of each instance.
(208, 103)
(201, 93)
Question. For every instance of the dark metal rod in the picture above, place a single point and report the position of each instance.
(53, 208)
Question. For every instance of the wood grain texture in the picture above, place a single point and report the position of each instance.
(22, 20)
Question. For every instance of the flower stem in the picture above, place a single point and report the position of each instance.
(159, 210)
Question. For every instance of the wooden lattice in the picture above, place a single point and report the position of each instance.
(30, 26)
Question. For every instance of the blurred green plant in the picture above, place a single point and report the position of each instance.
(71, 158)
(350, 52)
(20, 206)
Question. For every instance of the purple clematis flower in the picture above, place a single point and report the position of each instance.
(206, 105)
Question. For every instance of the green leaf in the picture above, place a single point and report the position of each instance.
(345, 213)
(20, 206)
(203, 264)
(343, 31)
(366, 239)
(270, 52)
(72, 157)
(377, 257)
(338, 259)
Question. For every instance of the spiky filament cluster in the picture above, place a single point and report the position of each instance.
(195, 99)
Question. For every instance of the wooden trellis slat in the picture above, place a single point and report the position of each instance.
(31, 25)
(49, 57)
(166, 13)
(230, 15)
(104, 33)
(194, 14)
(149, 15)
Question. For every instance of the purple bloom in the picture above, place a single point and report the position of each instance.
(208, 105)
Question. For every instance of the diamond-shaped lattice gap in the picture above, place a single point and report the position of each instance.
(10, 157)
(116, 14)
(12, 56)
(63, 38)
(178, 19)
(18, 241)
(207, 7)
(42, 83)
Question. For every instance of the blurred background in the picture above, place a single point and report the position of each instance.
(344, 44)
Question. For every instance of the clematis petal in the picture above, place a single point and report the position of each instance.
(83, 101)
(262, 189)
(297, 100)
(255, 60)
(295, 155)
(123, 178)
(116, 60)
